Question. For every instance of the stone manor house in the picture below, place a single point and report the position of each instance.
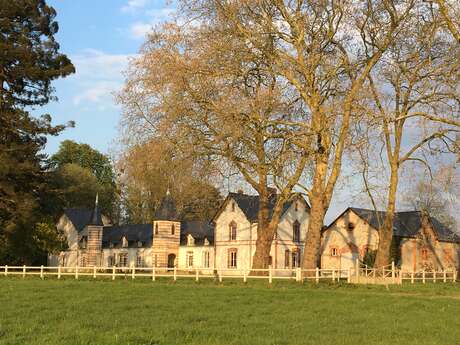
(227, 242)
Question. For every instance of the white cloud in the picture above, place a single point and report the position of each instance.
(98, 75)
(134, 5)
(139, 29)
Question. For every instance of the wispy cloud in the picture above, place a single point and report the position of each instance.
(98, 75)
(134, 5)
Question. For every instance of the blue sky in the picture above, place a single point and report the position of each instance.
(99, 36)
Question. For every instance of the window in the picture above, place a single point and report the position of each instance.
(123, 259)
(232, 231)
(351, 226)
(156, 229)
(296, 231)
(173, 229)
(190, 240)
(206, 242)
(232, 258)
(83, 242)
(205, 262)
(83, 262)
(424, 254)
(139, 244)
(233, 206)
(189, 259)
(110, 244)
(287, 255)
(296, 206)
(334, 251)
(124, 242)
(110, 261)
(139, 261)
(295, 259)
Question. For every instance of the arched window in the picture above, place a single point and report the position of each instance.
(232, 231)
(296, 231)
(156, 229)
(334, 251)
(173, 229)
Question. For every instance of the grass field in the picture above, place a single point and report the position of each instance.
(144, 312)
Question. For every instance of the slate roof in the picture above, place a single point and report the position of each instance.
(249, 204)
(199, 230)
(406, 224)
(79, 217)
(133, 233)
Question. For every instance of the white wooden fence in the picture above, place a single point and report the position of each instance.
(358, 275)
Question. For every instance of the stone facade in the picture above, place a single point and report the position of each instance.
(421, 242)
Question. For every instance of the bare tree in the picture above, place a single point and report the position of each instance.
(450, 14)
(415, 97)
(211, 95)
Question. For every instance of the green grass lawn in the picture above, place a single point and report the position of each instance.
(33, 311)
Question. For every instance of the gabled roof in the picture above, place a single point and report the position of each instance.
(79, 217)
(132, 233)
(249, 204)
(199, 231)
(405, 224)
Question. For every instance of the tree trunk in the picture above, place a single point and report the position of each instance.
(317, 213)
(264, 234)
(386, 232)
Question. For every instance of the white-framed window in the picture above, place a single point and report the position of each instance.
(296, 231)
(232, 227)
(206, 242)
(205, 262)
(295, 259)
(124, 242)
(189, 259)
(123, 259)
(232, 258)
(139, 261)
(334, 251)
(190, 240)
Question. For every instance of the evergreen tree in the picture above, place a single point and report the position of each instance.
(29, 62)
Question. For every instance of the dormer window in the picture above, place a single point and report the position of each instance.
(232, 231)
(156, 229)
(173, 229)
(296, 231)
(110, 244)
(351, 226)
(139, 244)
(83, 242)
(206, 242)
(124, 242)
(190, 240)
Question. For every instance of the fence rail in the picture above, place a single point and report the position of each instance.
(362, 275)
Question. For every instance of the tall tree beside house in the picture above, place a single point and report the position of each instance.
(323, 52)
(210, 95)
(414, 96)
(80, 172)
(29, 61)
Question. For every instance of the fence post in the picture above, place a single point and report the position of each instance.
(133, 272)
(113, 272)
(219, 273)
(333, 275)
(444, 276)
(153, 273)
(59, 272)
(454, 276)
(6, 270)
(245, 277)
(94, 271)
(412, 277)
(197, 274)
(393, 271)
(23, 271)
(373, 275)
(349, 275)
(76, 272)
(270, 274)
(357, 271)
(434, 276)
(423, 276)
(41, 271)
(400, 277)
(174, 273)
(298, 274)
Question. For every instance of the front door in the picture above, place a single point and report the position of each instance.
(171, 260)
